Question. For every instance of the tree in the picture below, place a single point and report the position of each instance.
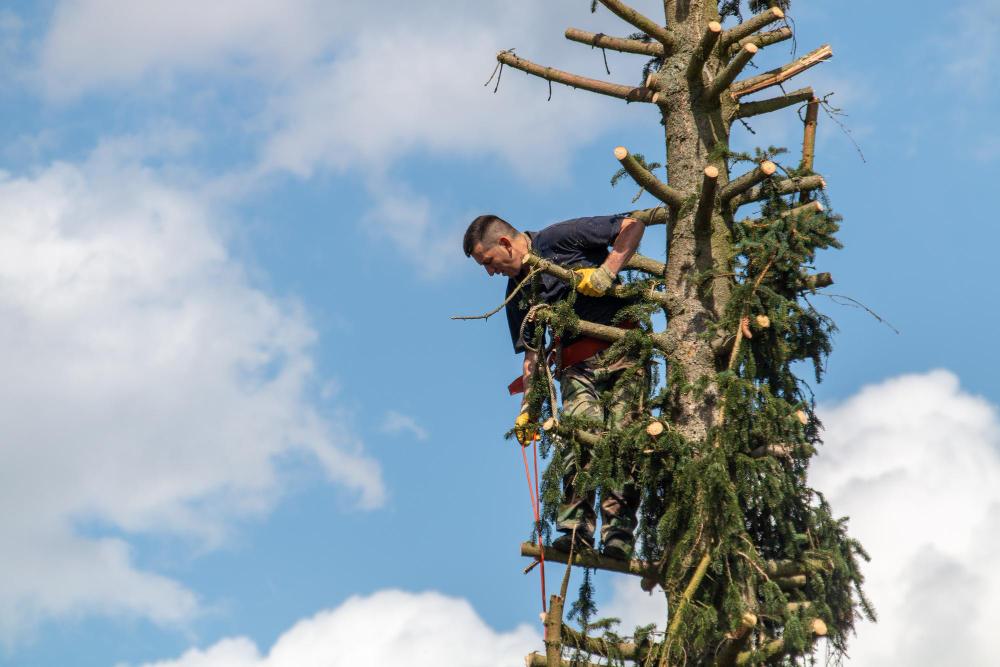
(754, 564)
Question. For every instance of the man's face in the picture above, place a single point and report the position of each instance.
(501, 258)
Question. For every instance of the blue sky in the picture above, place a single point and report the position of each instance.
(240, 428)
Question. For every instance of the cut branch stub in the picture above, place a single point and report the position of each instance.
(618, 90)
(785, 187)
(706, 201)
(762, 39)
(704, 48)
(781, 74)
(729, 73)
(645, 179)
(809, 135)
(740, 185)
(748, 109)
(622, 44)
(751, 25)
(642, 22)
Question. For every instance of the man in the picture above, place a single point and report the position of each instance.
(583, 245)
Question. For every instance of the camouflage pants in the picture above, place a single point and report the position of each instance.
(581, 386)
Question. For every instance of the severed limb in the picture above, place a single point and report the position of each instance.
(736, 641)
(603, 648)
(567, 275)
(750, 26)
(776, 647)
(703, 214)
(780, 451)
(622, 44)
(748, 109)
(642, 22)
(647, 180)
(743, 183)
(762, 39)
(781, 74)
(618, 90)
(658, 215)
(809, 136)
(814, 206)
(729, 73)
(785, 187)
(704, 48)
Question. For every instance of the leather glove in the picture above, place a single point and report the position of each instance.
(594, 282)
(525, 429)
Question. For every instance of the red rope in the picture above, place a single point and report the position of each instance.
(533, 494)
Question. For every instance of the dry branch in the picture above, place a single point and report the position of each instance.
(622, 44)
(743, 183)
(748, 109)
(647, 180)
(618, 90)
(781, 74)
(809, 136)
(642, 22)
(762, 39)
(701, 52)
(729, 73)
(784, 187)
(751, 25)
(703, 214)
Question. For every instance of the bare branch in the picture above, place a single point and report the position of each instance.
(809, 207)
(701, 52)
(762, 39)
(651, 216)
(781, 74)
(647, 264)
(539, 660)
(751, 25)
(740, 185)
(785, 187)
(643, 23)
(647, 180)
(809, 136)
(729, 73)
(593, 85)
(622, 44)
(591, 558)
(748, 109)
(596, 646)
(703, 215)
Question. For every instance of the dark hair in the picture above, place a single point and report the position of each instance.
(486, 229)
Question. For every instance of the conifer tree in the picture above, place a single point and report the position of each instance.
(754, 565)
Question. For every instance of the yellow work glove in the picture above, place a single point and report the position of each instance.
(525, 429)
(594, 282)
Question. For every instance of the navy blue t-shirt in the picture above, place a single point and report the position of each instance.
(574, 244)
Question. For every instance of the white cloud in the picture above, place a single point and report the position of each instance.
(389, 629)
(915, 463)
(396, 422)
(148, 388)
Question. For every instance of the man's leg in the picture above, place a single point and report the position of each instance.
(579, 399)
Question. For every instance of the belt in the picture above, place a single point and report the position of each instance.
(581, 349)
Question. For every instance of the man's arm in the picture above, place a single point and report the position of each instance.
(625, 245)
(524, 426)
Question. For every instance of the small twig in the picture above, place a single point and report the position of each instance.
(606, 68)
(854, 303)
(832, 112)
(550, 91)
(486, 316)
(497, 72)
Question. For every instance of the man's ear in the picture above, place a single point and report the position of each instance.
(505, 243)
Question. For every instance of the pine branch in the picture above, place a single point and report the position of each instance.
(538, 660)
(642, 22)
(621, 44)
(618, 90)
(736, 641)
(761, 40)
(603, 648)
(750, 26)
(756, 108)
(701, 52)
(781, 74)
(740, 185)
(592, 559)
(658, 215)
(647, 264)
(729, 73)
(814, 206)
(777, 647)
(785, 187)
(815, 281)
(645, 179)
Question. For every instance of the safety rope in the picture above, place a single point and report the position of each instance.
(533, 494)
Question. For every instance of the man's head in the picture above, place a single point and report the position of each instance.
(495, 245)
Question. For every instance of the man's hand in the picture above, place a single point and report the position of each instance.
(594, 282)
(525, 428)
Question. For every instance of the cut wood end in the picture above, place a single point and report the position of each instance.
(818, 205)
(655, 428)
(621, 152)
(714, 26)
(802, 417)
(777, 12)
(656, 99)
(549, 424)
(768, 167)
(763, 321)
(750, 48)
(649, 80)
(822, 184)
(543, 617)
(818, 627)
(711, 172)
(749, 619)
(745, 327)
